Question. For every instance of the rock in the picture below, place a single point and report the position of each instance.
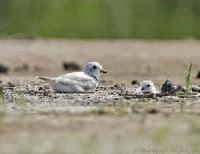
(3, 69)
(198, 75)
(169, 87)
(135, 82)
(71, 66)
(196, 89)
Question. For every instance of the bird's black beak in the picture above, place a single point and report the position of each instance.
(103, 71)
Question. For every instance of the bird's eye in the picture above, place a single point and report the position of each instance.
(148, 85)
(94, 67)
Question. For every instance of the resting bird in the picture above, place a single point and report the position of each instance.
(147, 87)
(77, 82)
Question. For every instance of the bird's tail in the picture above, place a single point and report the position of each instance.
(45, 78)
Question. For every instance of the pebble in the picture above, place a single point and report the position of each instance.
(135, 82)
(169, 87)
(198, 75)
(196, 89)
(4, 69)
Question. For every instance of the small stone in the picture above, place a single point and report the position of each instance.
(40, 88)
(198, 75)
(196, 89)
(169, 87)
(3, 69)
(135, 82)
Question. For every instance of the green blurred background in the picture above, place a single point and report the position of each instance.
(158, 19)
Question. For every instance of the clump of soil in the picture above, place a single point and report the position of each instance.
(4, 69)
(198, 75)
(71, 66)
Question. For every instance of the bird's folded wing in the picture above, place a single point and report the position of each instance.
(74, 78)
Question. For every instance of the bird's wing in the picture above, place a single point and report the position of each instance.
(69, 75)
(47, 79)
(74, 78)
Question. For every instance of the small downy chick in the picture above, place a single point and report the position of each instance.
(147, 87)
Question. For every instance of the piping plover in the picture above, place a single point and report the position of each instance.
(77, 82)
(147, 87)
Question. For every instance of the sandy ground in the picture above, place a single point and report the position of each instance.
(125, 60)
(33, 119)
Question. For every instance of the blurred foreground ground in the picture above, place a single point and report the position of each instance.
(33, 119)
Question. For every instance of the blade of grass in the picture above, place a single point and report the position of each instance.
(188, 79)
(1, 91)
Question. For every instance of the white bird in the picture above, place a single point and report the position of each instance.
(147, 87)
(77, 82)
